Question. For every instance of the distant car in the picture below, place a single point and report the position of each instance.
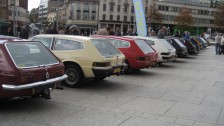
(138, 53)
(202, 41)
(191, 48)
(197, 42)
(181, 49)
(84, 57)
(164, 50)
(198, 46)
(28, 69)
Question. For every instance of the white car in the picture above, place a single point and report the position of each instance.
(166, 52)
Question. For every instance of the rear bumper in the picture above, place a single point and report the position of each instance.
(107, 71)
(9, 87)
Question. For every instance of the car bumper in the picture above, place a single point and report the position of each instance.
(9, 87)
(107, 71)
(169, 58)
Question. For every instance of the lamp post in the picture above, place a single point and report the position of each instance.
(41, 24)
(14, 17)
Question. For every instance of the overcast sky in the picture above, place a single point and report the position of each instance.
(33, 4)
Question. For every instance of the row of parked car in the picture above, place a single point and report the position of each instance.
(28, 68)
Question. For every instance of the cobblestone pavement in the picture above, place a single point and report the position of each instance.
(189, 92)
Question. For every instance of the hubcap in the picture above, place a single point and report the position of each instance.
(72, 76)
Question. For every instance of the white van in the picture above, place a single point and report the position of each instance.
(166, 52)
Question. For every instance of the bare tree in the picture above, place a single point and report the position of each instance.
(219, 18)
(184, 19)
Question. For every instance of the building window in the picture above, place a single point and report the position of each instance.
(132, 18)
(146, 10)
(111, 17)
(93, 17)
(132, 9)
(85, 16)
(118, 17)
(78, 16)
(111, 7)
(126, 8)
(104, 7)
(104, 17)
(118, 8)
(125, 18)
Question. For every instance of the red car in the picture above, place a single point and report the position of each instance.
(138, 53)
(28, 68)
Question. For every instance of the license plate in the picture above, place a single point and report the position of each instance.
(117, 70)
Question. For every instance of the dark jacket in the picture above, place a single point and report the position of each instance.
(24, 34)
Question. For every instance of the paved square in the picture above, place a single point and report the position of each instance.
(189, 92)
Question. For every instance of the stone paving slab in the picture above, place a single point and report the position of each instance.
(148, 105)
(194, 112)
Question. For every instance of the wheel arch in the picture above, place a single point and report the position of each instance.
(74, 63)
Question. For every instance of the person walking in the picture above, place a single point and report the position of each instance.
(218, 39)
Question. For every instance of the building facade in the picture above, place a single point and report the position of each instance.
(21, 12)
(84, 14)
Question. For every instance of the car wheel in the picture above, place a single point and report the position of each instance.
(74, 76)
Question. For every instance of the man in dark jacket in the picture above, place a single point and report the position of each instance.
(24, 34)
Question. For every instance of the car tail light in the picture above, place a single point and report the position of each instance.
(101, 64)
(145, 58)
(25, 77)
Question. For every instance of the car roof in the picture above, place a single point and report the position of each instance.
(71, 37)
(115, 37)
(143, 37)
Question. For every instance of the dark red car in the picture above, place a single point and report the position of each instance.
(138, 53)
(28, 68)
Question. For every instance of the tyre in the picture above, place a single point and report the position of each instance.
(74, 74)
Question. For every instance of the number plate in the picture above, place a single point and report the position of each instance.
(117, 70)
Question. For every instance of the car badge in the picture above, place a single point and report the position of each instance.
(47, 75)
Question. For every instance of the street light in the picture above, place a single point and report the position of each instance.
(41, 24)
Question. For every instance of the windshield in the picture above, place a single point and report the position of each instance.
(30, 54)
(166, 44)
(105, 48)
(181, 44)
(144, 46)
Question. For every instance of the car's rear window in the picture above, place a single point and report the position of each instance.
(166, 44)
(31, 54)
(144, 46)
(181, 44)
(105, 48)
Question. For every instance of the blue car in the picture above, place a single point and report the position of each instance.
(204, 44)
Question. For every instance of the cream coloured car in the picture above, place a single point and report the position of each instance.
(84, 57)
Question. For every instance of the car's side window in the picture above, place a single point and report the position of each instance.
(120, 43)
(64, 44)
(46, 41)
(150, 42)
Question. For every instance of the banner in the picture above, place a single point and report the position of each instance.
(140, 18)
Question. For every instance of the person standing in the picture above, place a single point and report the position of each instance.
(61, 31)
(162, 33)
(118, 32)
(9, 32)
(24, 34)
(222, 45)
(218, 39)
